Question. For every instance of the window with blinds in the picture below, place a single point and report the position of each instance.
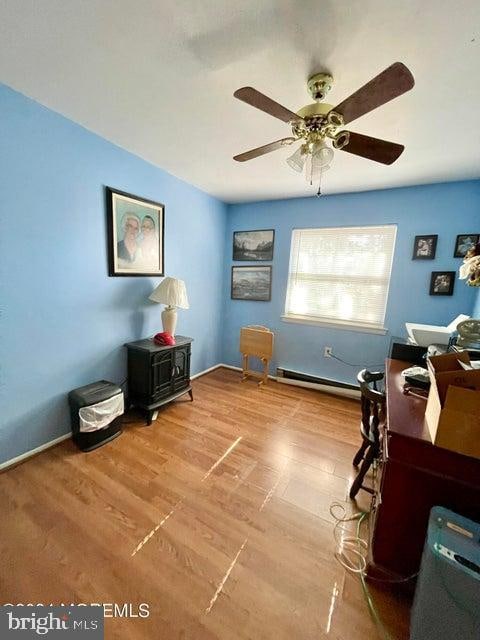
(340, 275)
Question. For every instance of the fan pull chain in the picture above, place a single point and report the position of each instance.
(319, 192)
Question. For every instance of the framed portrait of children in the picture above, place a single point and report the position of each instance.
(135, 235)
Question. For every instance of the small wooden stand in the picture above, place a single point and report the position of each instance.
(256, 341)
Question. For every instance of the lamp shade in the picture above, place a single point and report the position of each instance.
(171, 292)
(297, 160)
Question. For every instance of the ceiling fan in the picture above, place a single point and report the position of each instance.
(315, 123)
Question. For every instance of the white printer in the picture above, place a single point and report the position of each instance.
(424, 335)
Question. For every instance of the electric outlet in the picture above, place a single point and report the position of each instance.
(327, 352)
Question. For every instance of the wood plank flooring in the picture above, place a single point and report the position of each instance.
(216, 516)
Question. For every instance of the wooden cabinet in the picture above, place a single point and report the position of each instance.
(158, 374)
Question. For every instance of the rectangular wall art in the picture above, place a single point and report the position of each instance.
(135, 235)
(251, 283)
(442, 283)
(424, 247)
(463, 243)
(254, 246)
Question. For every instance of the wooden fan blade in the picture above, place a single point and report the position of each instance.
(388, 85)
(373, 148)
(261, 151)
(258, 100)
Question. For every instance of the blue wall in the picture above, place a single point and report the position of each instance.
(476, 310)
(63, 320)
(444, 209)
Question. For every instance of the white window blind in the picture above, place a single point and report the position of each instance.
(340, 275)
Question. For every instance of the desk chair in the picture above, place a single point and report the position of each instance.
(373, 414)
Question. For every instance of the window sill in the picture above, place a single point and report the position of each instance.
(345, 326)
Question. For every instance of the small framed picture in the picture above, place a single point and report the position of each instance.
(135, 235)
(464, 243)
(424, 247)
(442, 283)
(254, 246)
(252, 283)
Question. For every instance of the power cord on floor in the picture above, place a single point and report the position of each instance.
(351, 550)
(351, 553)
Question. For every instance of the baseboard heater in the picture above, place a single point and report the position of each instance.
(299, 379)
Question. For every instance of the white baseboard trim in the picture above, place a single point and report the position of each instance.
(202, 373)
(221, 365)
(230, 366)
(28, 454)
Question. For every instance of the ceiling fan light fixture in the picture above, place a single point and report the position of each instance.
(297, 160)
(322, 155)
(318, 161)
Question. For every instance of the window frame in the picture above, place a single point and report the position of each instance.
(336, 323)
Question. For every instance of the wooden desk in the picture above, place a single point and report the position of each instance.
(415, 475)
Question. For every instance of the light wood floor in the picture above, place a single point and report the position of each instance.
(217, 516)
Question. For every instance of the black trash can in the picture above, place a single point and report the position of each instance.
(96, 411)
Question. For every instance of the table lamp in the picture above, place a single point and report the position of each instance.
(171, 292)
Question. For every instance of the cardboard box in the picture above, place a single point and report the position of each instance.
(453, 406)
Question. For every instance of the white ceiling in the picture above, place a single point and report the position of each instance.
(157, 77)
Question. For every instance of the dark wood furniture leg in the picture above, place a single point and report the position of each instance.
(360, 453)
(357, 484)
